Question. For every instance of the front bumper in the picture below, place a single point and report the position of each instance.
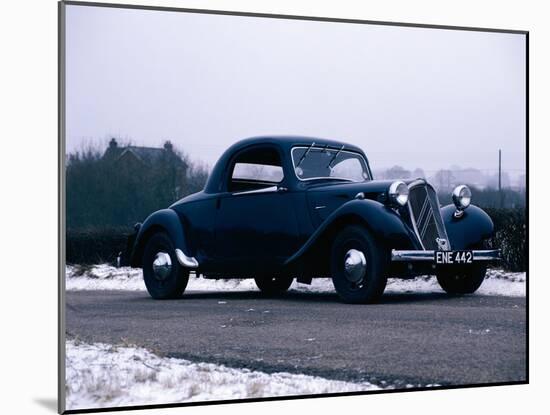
(429, 256)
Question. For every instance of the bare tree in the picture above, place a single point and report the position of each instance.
(418, 173)
(444, 180)
(397, 172)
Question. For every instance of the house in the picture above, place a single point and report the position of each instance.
(162, 161)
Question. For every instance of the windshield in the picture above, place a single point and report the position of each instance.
(329, 163)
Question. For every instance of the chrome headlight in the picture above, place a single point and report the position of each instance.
(398, 193)
(462, 196)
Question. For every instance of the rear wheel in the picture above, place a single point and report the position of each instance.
(358, 266)
(464, 280)
(163, 275)
(273, 285)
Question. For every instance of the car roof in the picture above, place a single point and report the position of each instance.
(288, 141)
(284, 142)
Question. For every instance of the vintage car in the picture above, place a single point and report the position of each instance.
(282, 208)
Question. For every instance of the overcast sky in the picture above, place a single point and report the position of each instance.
(427, 98)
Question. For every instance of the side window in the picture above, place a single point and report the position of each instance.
(259, 172)
(256, 169)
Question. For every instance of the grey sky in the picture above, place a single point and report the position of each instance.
(414, 97)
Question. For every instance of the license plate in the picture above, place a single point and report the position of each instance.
(454, 257)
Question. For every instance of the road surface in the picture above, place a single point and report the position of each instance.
(407, 339)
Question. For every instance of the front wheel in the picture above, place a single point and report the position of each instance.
(358, 265)
(273, 285)
(464, 280)
(163, 275)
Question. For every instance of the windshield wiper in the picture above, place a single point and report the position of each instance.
(305, 154)
(334, 157)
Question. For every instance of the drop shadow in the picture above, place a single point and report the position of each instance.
(48, 403)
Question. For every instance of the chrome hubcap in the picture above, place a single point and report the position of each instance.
(162, 266)
(355, 265)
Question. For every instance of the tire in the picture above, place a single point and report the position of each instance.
(365, 282)
(174, 278)
(464, 280)
(273, 285)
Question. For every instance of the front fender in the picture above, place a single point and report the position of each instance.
(384, 223)
(470, 230)
(165, 220)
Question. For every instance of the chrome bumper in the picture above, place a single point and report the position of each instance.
(428, 256)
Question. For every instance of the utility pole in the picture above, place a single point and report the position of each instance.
(500, 177)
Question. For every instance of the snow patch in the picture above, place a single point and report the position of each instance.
(497, 282)
(103, 277)
(101, 375)
(106, 277)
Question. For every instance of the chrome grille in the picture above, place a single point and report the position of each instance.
(425, 216)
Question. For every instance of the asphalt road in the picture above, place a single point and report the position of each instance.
(416, 339)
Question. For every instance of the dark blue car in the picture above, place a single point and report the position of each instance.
(279, 208)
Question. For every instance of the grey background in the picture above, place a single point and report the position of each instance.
(415, 97)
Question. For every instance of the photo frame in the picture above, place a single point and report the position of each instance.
(85, 246)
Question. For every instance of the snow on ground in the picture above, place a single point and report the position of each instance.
(106, 277)
(101, 375)
(103, 277)
(497, 282)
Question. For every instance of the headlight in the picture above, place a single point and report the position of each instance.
(398, 193)
(462, 196)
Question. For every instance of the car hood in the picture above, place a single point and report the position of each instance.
(325, 198)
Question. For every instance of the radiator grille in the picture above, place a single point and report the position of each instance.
(425, 215)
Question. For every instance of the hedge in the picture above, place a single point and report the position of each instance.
(510, 237)
(96, 246)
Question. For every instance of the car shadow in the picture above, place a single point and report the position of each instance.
(293, 296)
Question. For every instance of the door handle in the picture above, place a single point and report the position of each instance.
(282, 189)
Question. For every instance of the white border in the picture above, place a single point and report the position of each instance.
(29, 202)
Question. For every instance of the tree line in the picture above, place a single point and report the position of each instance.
(107, 193)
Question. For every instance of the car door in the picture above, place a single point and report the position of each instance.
(256, 226)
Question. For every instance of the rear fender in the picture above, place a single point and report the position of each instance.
(165, 220)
